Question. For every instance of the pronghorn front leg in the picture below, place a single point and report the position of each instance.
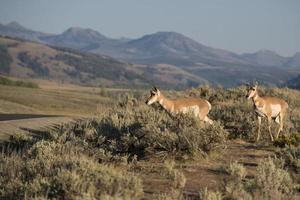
(258, 131)
(269, 127)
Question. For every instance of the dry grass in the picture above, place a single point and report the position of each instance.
(55, 99)
(132, 142)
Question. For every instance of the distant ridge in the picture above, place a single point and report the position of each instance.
(14, 29)
(217, 66)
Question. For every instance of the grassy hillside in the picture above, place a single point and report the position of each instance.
(55, 99)
(5, 59)
(135, 151)
(294, 83)
(30, 60)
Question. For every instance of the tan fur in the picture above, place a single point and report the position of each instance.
(269, 107)
(199, 107)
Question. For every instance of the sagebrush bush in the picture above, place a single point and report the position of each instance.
(291, 157)
(235, 186)
(129, 130)
(206, 194)
(235, 112)
(270, 182)
(88, 159)
(75, 161)
(273, 182)
(18, 83)
(287, 140)
(53, 170)
(177, 182)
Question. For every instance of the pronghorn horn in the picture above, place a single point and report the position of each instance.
(155, 89)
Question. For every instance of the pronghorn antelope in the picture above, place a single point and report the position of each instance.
(199, 107)
(270, 107)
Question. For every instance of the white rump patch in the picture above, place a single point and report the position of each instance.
(209, 105)
(276, 108)
(192, 109)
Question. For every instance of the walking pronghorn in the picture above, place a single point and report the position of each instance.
(270, 107)
(199, 107)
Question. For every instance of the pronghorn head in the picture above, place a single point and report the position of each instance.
(252, 91)
(154, 96)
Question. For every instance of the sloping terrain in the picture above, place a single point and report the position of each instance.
(14, 29)
(294, 83)
(160, 157)
(193, 63)
(25, 59)
(32, 60)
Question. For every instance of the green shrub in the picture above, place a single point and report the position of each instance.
(5, 59)
(291, 157)
(33, 63)
(7, 81)
(18, 141)
(235, 112)
(287, 140)
(206, 194)
(235, 186)
(272, 182)
(52, 170)
(88, 159)
(149, 132)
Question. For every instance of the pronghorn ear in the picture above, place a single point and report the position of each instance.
(256, 84)
(153, 89)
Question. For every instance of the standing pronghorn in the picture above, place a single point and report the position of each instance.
(199, 107)
(270, 107)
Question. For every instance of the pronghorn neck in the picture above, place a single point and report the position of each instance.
(256, 99)
(167, 104)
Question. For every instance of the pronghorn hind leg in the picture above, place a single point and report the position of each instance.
(269, 127)
(258, 131)
(280, 121)
(206, 119)
(277, 119)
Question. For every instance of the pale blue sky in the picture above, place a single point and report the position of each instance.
(236, 25)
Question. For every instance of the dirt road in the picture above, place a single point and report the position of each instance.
(11, 124)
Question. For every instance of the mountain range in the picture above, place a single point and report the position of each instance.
(196, 62)
(31, 60)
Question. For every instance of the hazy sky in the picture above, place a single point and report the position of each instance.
(236, 25)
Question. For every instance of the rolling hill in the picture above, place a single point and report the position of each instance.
(172, 58)
(294, 83)
(33, 60)
(25, 59)
(14, 29)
